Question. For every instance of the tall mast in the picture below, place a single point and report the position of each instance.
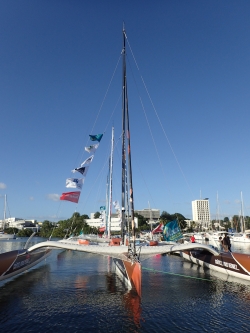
(123, 135)
(110, 183)
(4, 212)
(5, 204)
(126, 117)
(242, 215)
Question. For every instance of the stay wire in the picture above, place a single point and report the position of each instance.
(157, 116)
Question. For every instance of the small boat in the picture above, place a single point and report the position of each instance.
(242, 237)
(3, 235)
(229, 263)
(17, 261)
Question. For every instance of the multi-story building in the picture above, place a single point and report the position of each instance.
(148, 213)
(201, 212)
(15, 222)
(115, 222)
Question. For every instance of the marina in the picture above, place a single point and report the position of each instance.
(78, 291)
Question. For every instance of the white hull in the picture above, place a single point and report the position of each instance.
(7, 236)
(241, 238)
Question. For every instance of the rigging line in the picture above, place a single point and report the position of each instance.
(156, 113)
(113, 112)
(176, 274)
(104, 98)
(138, 166)
(104, 165)
(150, 131)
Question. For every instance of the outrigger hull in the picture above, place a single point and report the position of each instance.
(229, 263)
(15, 262)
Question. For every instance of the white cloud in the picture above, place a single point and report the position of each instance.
(2, 186)
(53, 197)
(31, 198)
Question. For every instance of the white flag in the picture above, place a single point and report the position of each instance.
(74, 182)
(116, 204)
(88, 160)
(92, 149)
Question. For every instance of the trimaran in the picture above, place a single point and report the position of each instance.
(127, 256)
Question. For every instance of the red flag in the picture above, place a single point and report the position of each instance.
(71, 196)
(159, 228)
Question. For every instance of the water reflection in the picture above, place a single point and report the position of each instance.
(75, 291)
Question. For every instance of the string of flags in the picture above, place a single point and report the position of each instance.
(77, 183)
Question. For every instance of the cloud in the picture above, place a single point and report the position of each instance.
(2, 186)
(31, 198)
(53, 197)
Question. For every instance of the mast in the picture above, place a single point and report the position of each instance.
(125, 127)
(4, 212)
(131, 192)
(123, 135)
(218, 212)
(110, 183)
(107, 203)
(242, 215)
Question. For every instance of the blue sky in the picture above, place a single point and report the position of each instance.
(56, 62)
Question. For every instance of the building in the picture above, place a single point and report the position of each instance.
(148, 213)
(201, 212)
(15, 222)
(115, 222)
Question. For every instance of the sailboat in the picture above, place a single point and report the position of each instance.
(126, 254)
(3, 235)
(15, 262)
(244, 235)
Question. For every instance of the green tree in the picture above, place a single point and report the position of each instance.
(46, 229)
(97, 215)
(142, 222)
(25, 233)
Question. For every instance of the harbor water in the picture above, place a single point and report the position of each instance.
(78, 292)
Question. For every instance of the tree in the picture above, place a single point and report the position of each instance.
(46, 229)
(97, 215)
(25, 233)
(142, 222)
(165, 217)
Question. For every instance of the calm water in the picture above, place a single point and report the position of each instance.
(76, 292)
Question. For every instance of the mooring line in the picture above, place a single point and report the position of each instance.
(170, 273)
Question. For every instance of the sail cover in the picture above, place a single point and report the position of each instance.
(71, 196)
(171, 231)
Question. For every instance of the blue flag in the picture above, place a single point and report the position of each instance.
(96, 137)
(171, 231)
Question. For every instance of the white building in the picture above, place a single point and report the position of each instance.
(115, 222)
(148, 213)
(201, 212)
(15, 222)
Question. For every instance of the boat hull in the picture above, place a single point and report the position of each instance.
(7, 236)
(229, 263)
(129, 273)
(17, 261)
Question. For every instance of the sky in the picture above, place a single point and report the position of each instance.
(188, 66)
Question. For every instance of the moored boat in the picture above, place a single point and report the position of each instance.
(229, 263)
